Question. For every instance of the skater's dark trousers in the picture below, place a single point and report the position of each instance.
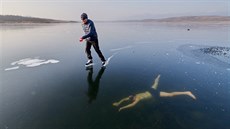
(96, 48)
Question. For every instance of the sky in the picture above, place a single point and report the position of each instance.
(114, 9)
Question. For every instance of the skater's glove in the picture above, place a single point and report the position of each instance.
(81, 39)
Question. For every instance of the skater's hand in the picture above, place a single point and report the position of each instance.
(81, 39)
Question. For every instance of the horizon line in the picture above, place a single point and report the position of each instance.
(113, 20)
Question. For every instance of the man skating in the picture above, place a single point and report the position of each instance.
(91, 40)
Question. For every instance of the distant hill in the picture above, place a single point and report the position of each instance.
(187, 19)
(176, 20)
(22, 19)
(192, 19)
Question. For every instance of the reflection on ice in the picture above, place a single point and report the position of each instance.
(30, 62)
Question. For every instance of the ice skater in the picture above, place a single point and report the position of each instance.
(91, 39)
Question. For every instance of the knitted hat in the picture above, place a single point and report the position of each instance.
(84, 16)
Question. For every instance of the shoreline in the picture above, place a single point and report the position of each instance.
(142, 22)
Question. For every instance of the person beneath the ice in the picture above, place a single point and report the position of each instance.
(150, 94)
(91, 39)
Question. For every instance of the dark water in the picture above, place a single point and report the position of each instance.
(51, 88)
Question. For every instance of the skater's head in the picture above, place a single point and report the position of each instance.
(84, 17)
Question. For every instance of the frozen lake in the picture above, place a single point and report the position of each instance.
(45, 85)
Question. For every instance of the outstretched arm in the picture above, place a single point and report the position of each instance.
(121, 101)
(130, 105)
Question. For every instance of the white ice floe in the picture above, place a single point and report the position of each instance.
(108, 60)
(12, 68)
(122, 48)
(144, 42)
(31, 62)
(37, 63)
(22, 60)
